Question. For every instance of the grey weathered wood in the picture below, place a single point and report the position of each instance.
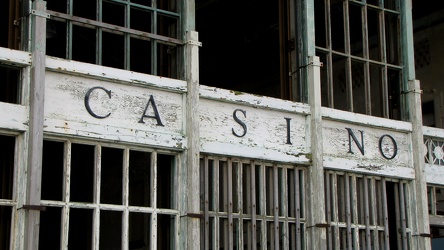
(36, 117)
(192, 132)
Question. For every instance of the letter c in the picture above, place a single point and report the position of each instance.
(88, 107)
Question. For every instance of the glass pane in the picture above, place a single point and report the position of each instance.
(356, 23)
(358, 85)
(80, 229)
(84, 44)
(165, 231)
(166, 181)
(373, 34)
(84, 8)
(111, 176)
(139, 178)
(110, 230)
(10, 85)
(113, 50)
(439, 201)
(169, 5)
(337, 22)
(56, 44)
(340, 83)
(392, 35)
(141, 20)
(139, 230)
(320, 28)
(52, 170)
(376, 90)
(50, 225)
(167, 26)
(113, 13)
(82, 172)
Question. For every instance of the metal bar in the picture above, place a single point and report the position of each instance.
(253, 205)
(154, 180)
(230, 202)
(276, 206)
(348, 69)
(206, 205)
(367, 214)
(96, 198)
(402, 215)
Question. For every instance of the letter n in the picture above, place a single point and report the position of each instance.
(351, 136)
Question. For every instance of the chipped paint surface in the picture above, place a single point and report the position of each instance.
(65, 111)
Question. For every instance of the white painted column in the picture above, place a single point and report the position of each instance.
(316, 224)
(36, 118)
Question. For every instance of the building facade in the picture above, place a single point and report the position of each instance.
(270, 124)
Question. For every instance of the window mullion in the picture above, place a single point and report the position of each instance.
(66, 194)
(154, 200)
(125, 199)
(275, 206)
(348, 69)
(99, 33)
(96, 194)
(127, 44)
(253, 204)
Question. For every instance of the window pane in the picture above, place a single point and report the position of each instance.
(110, 230)
(111, 176)
(7, 149)
(52, 170)
(139, 230)
(82, 172)
(50, 226)
(10, 84)
(84, 44)
(80, 229)
(166, 181)
(139, 178)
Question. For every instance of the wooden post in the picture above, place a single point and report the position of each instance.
(36, 117)
(317, 237)
(192, 133)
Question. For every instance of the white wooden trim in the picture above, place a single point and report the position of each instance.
(245, 99)
(371, 121)
(113, 74)
(15, 57)
(14, 117)
(433, 132)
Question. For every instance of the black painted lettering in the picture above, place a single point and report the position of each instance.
(351, 136)
(88, 107)
(388, 151)
(288, 130)
(244, 127)
(156, 113)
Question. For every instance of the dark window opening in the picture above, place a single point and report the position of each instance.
(82, 172)
(111, 176)
(10, 86)
(52, 170)
(252, 51)
(50, 226)
(359, 45)
(7, 151)
(10, 24)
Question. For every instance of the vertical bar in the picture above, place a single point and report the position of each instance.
(216, 227)
(36, 118)
(125, 199)
(127, 44)
(97, 181)
(385, 214)
(206, 206)
(253, 205)
(328, 207)
(402, 215)
(263, 205)
(348, 70)
(66, 194)
(192, 133)
(230, 202)
(336, 239)
(240, 192)
(367, 214)
(154, 42)
(99, 36)
(276, 206)
(69, 31)
(348, 211)
(329, 55)
(154, 179)
(283, 203)
(298, 209)
(366, 54)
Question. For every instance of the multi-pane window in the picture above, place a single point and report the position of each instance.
(108, 197)
(366, 212)
(8, 204)
(359, 45)
(135, 35)
(250, 204)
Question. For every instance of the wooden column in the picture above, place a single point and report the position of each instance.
(36, 117)
(412, 104)
(317, 237)
(192, 133)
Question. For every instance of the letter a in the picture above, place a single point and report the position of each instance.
(156, 113)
